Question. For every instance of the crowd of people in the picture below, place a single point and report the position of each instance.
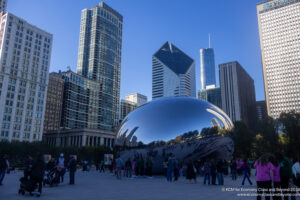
(36, 169)
(276, 176)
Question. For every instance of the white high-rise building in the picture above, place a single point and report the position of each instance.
(3, 4)
(173, 73)
(137, 98)
(279, 31)
(25, 52)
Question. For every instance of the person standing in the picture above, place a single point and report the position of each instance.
(72, 168)
(206, 169)
(149, 165)
(245, 170)
(176, 170)
(220, 170)
(61, 167)
(296, 173)
(28, 167)
(119, 165)
(275, 178)
(37, 173)
(213, 171)
(191, 171)
(102, 166)
(233, 169)
(170, 169)
(3, 168)
(165, 166)
(263, 177)
(286, 176)
(128, 167)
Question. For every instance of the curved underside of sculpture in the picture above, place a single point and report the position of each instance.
(218, 147)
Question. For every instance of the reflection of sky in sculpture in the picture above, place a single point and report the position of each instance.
(166, 118)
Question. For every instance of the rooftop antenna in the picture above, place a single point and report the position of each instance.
(209, 40)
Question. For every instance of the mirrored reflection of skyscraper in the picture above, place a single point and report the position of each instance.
(173, 73)
(99, 57)
(279, 30)
(207, 68)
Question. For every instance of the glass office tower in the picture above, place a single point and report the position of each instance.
(99, 58)
(207, 68)
(279, 30)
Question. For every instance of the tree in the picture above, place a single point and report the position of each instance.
(267, 139)
(243, 140)
(290, 126)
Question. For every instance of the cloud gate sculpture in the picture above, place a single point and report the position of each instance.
(188, 128)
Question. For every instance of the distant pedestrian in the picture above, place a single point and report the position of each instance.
(61, 167)
(170, 169)
(220, 170)
(245, 170)
(191, 171)
(165, 166)
(37, 174)
(213, 171)
(72, 169)
(102, 166)
(28, 167)
(128, 168)
(119, 166)
(3, 167)
(206, 169)
(149, 165)
(176, 169)
(263, 177)
(233, 169)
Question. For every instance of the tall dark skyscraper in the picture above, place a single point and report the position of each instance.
(99, 58)
(238, 93)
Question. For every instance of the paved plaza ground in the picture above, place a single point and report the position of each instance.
(94, 185)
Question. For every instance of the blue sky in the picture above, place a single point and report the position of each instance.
(147, 24)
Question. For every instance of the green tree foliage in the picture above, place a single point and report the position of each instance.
(243, 140)
(18, 151)
(267, 139)
(290, 126)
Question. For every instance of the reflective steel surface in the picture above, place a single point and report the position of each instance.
(166, 118)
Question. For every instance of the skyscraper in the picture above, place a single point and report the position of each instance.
(3, 4)
(99, 57)
(137, 98)
(261, 110)
(279, 27)
(25, 52)
(173, 73)
(54, 102)
(126, 108)
(237, 93)
(207, 68)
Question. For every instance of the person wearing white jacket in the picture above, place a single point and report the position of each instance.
(296, 173)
